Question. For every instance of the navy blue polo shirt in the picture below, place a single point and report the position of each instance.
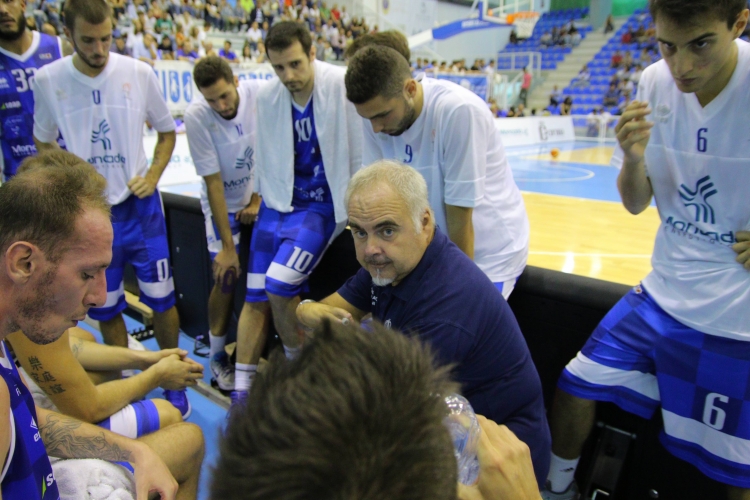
(450, 303)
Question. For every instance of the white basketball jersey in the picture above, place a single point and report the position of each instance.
(102, 118)
(454, 144)
(225, 146)
(698, 160)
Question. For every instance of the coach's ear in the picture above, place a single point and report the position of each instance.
(22, 259)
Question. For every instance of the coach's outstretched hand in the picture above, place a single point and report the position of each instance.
(742, 247)
(312, 314)
(505, 468)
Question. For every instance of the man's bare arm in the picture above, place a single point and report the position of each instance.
(5, 432)
(334, 308)
(461, 228)
(145, 186)
(56, 371)
(66, 437)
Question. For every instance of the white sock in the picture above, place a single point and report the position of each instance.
(243, 376)
(291, 352)
(217, 343)
(561, 472)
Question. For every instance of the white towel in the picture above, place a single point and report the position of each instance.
(339, 129)
(91, 479)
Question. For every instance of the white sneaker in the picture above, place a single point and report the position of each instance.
(571, 493)
(222, 371)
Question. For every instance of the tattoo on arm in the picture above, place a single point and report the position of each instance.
(43, 378)
(77, 347)
(65, 437)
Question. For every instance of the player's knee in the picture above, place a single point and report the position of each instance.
(192, 441)
(168, 414)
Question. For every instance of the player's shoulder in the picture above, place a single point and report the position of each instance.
(447, 98)
(198, 110)
(54, 70)
(251, 86)
(656, 75)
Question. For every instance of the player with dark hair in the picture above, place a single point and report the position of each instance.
(391, 38)
(679, 341)
(359, 415)
(22, 53)
(100, 102)
(448, 134)
(308, 146)
(221, 132)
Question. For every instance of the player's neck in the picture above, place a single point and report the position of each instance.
(720, 81)
(85, 68)
(20, 45)
(303, 96)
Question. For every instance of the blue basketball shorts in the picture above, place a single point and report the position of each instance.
(213, 238)
(640, 358)
(140, 239)
(133, 421)
(285, 248)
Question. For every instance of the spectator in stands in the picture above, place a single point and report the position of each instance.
(520, 113)
(616, 59)
(627, 59)
(50, 30)
(525, 85)
(627, 37)
(609, 25)
(146, 51)
(256, 13)
(623, 105)
(575, 36)
(179, 35)
(640, 35)
(187, 52)
(566, 106)
(136, 36)
(260, 54)
(166, 48)
(556, 96)
(612, 97)
(511, 112)
(247, 56)
(583, 78)
(566, 40)
(546, 39)
(229, 21)
(320, 49)
(594, 122)
(227, 53)
(212, 15)
(494, 108)
(254, 35)
(119, 46)
(164, 23)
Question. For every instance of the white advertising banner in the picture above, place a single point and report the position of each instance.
(180, 169)
(177, 86)
(535, 130)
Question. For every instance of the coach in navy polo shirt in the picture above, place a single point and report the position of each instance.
(414, 279)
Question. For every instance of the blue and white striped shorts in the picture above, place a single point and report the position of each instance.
(640, 358)
(140, 238)
(285, 248)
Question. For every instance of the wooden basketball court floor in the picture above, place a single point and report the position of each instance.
(578, 224)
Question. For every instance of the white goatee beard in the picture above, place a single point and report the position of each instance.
(378, 281)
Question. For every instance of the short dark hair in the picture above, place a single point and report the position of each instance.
(357, 415)
(391, 38)
(41, 203)
(208, 70)
(281, 36)
(92, 11)
(687, 12)
(374, 71)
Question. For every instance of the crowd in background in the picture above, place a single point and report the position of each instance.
(180, 29)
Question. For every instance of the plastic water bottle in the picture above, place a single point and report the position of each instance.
(464, 428)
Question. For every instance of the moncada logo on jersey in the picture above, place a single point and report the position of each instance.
(696, 200)
(100, 136)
